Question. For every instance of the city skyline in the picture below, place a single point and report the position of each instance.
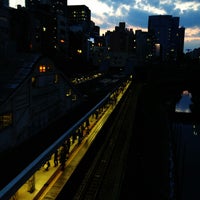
(108, 13)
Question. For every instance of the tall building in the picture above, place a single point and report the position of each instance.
(80, 25)
(143, 46)
(121, 44)
(51, 30)
(79, 14)
(59, 6)
(167, 36)
(122, 39)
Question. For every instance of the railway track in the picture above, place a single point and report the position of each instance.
(106, 164)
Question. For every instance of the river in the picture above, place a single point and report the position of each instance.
(186, 147)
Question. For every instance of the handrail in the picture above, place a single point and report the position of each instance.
(12, 187)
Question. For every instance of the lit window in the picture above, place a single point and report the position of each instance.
(79, 51)
(74, 97)
(69, 92)
(56, 78)
(33, 81)
(5, 120)
(42, 68)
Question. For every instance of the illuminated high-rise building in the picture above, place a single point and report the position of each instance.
(51, 30)
(168, 35)
(78, 14)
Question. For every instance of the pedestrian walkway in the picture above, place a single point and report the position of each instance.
(45, 179)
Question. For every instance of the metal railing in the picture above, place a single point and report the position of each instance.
(11, 188)
(22, 177)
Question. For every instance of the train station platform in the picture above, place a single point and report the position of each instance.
(49, 183)
(45, 179)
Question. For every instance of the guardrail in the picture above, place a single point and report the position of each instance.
(21, 178)
(9, 190)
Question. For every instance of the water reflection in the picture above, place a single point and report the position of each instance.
(186, 152)
(185, 102)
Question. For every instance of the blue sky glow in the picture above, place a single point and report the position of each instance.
(108, 13)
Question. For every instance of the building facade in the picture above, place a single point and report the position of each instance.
(59, 6)
(143, 47)
(167, 35)
(121, 44)
(7, 46)
(81, 29)
(48, 33)
(33, 95)
(78, 14)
